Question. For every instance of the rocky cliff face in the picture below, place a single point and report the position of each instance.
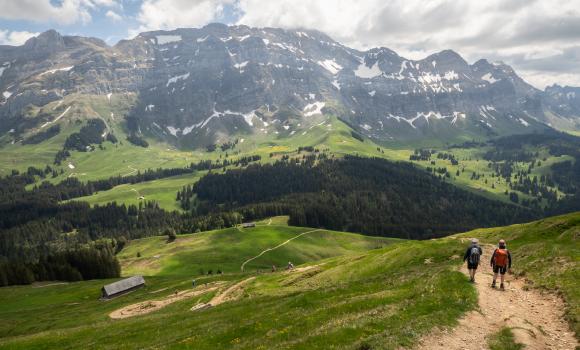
(562, 106)
(196, 86)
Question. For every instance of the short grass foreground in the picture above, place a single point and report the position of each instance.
(504, 340)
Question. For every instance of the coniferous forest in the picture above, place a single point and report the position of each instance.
(371, 196)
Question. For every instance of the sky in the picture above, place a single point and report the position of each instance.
(539, 38)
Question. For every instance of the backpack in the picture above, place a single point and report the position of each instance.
(474, 255)
(501, 257)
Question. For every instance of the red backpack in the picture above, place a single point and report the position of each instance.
(501, 257)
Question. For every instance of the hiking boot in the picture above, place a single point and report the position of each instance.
(501, 287)
(493, 284)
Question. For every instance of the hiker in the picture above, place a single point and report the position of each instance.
(290, 266)
(501, 262)
(472, 255)
(273, 268)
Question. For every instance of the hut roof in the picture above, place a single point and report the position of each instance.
(123, 285)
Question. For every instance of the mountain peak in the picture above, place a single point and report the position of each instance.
(47, 42)
(447, 57)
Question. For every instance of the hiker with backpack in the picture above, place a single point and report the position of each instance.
(501, 262)
(472, 256)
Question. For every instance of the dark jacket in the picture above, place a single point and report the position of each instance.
(491, 262)
(468, 251)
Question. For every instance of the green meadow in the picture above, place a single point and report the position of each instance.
(349, 291)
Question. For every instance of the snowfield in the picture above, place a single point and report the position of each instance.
(313, 109)
(368, 72)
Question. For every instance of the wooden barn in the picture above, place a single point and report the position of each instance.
(121, 287)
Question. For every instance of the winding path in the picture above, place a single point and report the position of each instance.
(536, 318)
(276, 247)
(133, 170)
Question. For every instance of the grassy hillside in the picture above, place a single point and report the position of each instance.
(472, 161)
(382, 298)
(227, 249)
(163, 191)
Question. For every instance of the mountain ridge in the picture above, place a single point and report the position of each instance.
(197, 86)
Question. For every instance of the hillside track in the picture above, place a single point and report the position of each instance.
(535, 317)
(276, 247)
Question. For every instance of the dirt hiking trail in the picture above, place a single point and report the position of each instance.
(536, 318)
(232, 293)
(149, 306)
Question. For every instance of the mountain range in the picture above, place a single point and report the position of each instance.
(195, 87)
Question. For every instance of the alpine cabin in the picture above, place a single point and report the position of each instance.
(121, 287)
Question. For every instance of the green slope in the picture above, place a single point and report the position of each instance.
(382, 298)
(228, 249)
(163, 191)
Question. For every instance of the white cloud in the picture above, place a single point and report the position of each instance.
(15, 38)
(171, 14)
(112, 15)
(64, 12)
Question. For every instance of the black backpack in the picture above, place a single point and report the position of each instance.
(474, 255)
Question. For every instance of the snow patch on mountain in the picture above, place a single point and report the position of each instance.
(177, 78)
(331, 66)
(427, 116)
(313, 109)
(173, 131)
(166, 39)
(52, 71)
(365, 72)
(489, 78)
(248, 118)
(451, 75)
(240, 66)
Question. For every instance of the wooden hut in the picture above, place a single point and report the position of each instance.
(121, 287)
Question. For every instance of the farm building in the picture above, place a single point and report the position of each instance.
(121, 287)
(248, 224)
